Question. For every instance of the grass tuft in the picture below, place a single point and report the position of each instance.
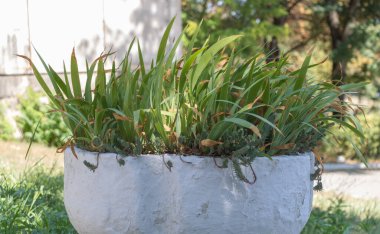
(33, 203)
(340, 216)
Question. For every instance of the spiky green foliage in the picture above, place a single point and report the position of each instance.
(191, 104)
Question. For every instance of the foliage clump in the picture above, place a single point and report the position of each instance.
(51, 128)
(6, 130)
(192, 104)
(33, 203)
(370, 148)
(341, 216)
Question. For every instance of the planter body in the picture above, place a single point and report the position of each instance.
(143, 196)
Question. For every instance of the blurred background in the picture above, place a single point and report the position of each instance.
(345, 34)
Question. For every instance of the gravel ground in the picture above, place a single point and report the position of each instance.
(358, 184)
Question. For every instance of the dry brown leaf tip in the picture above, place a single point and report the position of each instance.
(255, 130)
(210, 143)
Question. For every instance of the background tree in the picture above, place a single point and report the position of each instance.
(221, 18)
(348, 31)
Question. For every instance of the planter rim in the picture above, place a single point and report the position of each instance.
(107, 155)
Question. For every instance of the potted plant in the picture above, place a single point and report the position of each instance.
(206, 143)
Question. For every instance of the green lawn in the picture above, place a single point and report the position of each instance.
(33, 203)
(31, 191)
(335, 214)
(31, 199)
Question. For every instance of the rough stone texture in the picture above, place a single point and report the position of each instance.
(143, 196)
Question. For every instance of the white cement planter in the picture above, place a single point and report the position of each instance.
(144, 197)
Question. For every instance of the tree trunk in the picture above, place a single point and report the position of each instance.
(272, 50)
(338, 73)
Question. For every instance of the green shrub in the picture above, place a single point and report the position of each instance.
(344, 139)
(51, 131)
(33, 203)
(193, 104)
(6, 130)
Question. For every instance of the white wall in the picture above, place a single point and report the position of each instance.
(13, 35)
(54, 27)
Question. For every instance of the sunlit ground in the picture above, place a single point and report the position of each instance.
(12, 157)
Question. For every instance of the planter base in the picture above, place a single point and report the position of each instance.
(143, 196)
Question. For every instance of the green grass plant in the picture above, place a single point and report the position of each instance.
(341, 217)
(33, 202)
(52, 131)
(195, 103)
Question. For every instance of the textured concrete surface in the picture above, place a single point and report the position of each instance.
(197, 197)
(356, 183)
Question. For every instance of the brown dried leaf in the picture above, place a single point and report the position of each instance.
(218, 114)
(235, 94)
(120, 117)
(210, 143)
(204, 82)
(284, 147)
(255, 130)
(167, 74)
(250, 105)
(62, 148)
(73, 149)
(339, 107)
(222, 63)
(167, 128)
